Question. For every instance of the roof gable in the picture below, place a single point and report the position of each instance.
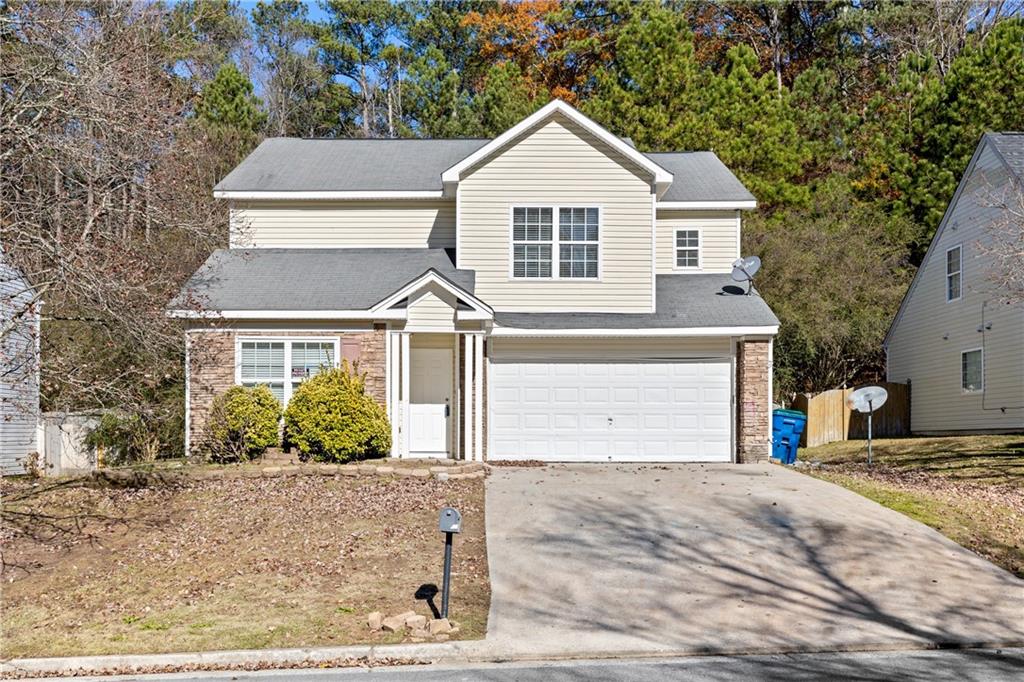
(987, 142)
(661, 177)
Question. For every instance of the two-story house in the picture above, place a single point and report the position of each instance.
(957, 338)
(549, 294)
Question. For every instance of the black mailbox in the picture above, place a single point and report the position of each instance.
(450, 521)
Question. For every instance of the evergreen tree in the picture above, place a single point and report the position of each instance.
(753, 130)
(227, 103)
(506, 98)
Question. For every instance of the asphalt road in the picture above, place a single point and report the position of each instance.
(934, 666)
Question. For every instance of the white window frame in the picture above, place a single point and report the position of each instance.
(959, 273)
(288, 341)
(555, 242)
(976, 391)
(700, 249)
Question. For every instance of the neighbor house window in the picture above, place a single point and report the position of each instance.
(577, 242)
(531, 242)
(687, 248)
(282, 365)
(972, 371)
(954, 267)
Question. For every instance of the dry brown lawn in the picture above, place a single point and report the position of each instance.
(970, 488)
(235, 563)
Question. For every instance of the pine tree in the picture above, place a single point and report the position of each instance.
(227, 102)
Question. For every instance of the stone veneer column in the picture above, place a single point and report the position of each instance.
(753, 421)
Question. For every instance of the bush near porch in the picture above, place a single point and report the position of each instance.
(969, 488)
(330, 418)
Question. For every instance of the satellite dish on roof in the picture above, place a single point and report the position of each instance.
(867, 400)
(744, 269)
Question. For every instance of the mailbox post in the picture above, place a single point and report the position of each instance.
(450, 523)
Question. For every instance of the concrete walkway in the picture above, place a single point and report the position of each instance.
(724, 558)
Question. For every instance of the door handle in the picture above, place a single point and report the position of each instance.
(447, 410)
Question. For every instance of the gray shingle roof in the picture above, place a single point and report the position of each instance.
(309, 279)
(683, 301)
(286, 164)
(1010, 145)
(699, 176)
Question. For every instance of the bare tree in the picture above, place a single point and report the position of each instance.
(106, 206)
(1003, 243)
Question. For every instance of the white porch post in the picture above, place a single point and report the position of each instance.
(392, 394)
(467, 396)
(478, 395)
(405, 394)
(457, 405)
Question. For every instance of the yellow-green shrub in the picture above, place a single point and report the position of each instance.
(243, 423)
(330, 418)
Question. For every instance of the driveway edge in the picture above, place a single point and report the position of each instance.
(474, 651)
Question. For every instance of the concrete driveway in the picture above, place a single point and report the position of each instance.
(600, 559)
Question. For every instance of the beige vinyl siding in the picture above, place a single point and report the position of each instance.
(611, 349)
(927, 341)
(340, 224)
(558, 163)
(433, 310)
(719, 239)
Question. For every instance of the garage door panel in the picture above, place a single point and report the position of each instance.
(619, 411)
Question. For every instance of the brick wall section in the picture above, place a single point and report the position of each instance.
(212, 367)
(211, 358)
(753, 421)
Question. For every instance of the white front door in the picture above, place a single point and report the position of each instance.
(629, 411)
(430, 373)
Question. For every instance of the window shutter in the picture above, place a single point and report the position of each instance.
(350, 350)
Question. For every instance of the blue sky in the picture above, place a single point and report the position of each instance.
(315, 12)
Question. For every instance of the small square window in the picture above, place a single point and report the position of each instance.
(972, 371)
(687, 248)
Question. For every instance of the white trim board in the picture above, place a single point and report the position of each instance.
(706, 205)
(337, 195)
(505, 332)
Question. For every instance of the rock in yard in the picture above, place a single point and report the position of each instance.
(420, 634)
(393, 624)
(441, 638)
(439, 626)
(442, 476)
(414, 473)
(384, 471)
(416, 622)
(374, 620)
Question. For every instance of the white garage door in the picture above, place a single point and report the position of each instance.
(626, 411)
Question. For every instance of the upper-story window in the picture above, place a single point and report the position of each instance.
(954, 273)
(535, 242)
(687, 248)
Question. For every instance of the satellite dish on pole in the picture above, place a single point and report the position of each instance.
(744, 269)
(867, 400)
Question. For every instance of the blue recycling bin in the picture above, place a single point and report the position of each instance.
(787, 425)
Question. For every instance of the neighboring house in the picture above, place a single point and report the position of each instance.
(955, 338)
(19, 369)
(550, 294)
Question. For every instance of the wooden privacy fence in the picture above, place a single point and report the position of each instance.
(829, 419)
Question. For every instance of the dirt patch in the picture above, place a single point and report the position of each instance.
(518, 463)
(238, 563)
